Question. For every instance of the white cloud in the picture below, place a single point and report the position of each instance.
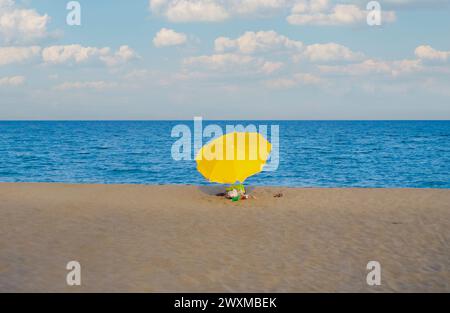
(311, 6)
(321, 12)
(429, 53)
(77, 54)
(182, 76)
(4, 4)
(271, 67)
(303, 12)
(219, 61)
(308, 79)
(214, 10)
(9, 55)
(12, 81)
(168, 37)
(295, 80)
(255, 6)
(72, 53)
(190, 10)
(69, 54)
(121, 56)
(138, 74)
(371, 66)
(156, 5)
(96, 85)
(248, 55)
(328, 52)
(233, 63)
(280, 83)
(251, 42)
(21, 25)
(270, 41)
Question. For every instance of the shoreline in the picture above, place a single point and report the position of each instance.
(181, 238)
(221, 186)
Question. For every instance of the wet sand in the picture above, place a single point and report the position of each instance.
(185, 239)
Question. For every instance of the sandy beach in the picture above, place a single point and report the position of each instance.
(185, 239)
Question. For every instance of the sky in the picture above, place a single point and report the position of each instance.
(224, 59)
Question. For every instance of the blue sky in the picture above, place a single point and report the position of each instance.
(234, 59)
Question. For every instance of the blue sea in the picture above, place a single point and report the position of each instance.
(312, 153)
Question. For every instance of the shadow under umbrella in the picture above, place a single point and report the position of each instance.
(219, 190)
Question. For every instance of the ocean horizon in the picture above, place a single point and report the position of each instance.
(312, 153)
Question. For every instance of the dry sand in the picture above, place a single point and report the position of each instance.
(182, 238)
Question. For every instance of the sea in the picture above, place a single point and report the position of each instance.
(367, 154)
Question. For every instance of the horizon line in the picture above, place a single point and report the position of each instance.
(171, 120)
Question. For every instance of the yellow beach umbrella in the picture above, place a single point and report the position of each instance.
(233, 157)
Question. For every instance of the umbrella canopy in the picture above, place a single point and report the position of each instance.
(233, 157)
